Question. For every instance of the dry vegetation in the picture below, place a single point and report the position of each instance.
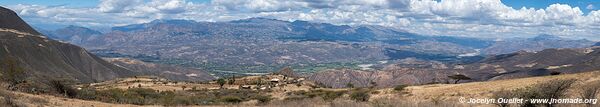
(152, 91)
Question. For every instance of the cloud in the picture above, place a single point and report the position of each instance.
(169, 6)
(590, 7)
(114, 6)
(475, 18)
(259, 5)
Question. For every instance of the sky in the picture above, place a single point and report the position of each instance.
(577, 19)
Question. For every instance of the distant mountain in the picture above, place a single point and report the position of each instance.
(72, 34)
(596, 44)
(537, 43)
(44, 59)
(265, 45)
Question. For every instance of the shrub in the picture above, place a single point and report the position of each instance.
(11, 71)
(263, 99)
(332, 95)
(553, 89)
(360, 96)
(87, 94)
(349, 85)
(590, 91)
(505, 94)
(400, 87)
(375, 92)
(231, 99)
(7, 99)
(8, 102)
(221, 82)
(325, 94)
(143, 96)
(61, 88)
(373, 84)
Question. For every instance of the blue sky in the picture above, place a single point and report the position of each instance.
(512, 3)
(71, 3)
(473, 18)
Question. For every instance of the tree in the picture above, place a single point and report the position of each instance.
(183, 87)
(458, 77)
(221, 82)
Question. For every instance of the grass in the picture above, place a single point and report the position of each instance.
(326, 95)
(7, 99)
(143, 96)
(433, 95)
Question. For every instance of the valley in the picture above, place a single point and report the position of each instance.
(262, 45)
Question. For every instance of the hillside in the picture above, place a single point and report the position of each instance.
(10, 20)
(73, 34)
(44, 59)
(436, 95)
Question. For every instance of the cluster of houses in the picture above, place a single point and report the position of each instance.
(278, 79)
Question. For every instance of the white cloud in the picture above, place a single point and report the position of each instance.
(477, 18)
(259, 5)
(590, 7)
(117, 5)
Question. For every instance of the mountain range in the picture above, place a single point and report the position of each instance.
(338, 54)
(265, 45)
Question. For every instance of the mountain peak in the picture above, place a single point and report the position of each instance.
(10, 20)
